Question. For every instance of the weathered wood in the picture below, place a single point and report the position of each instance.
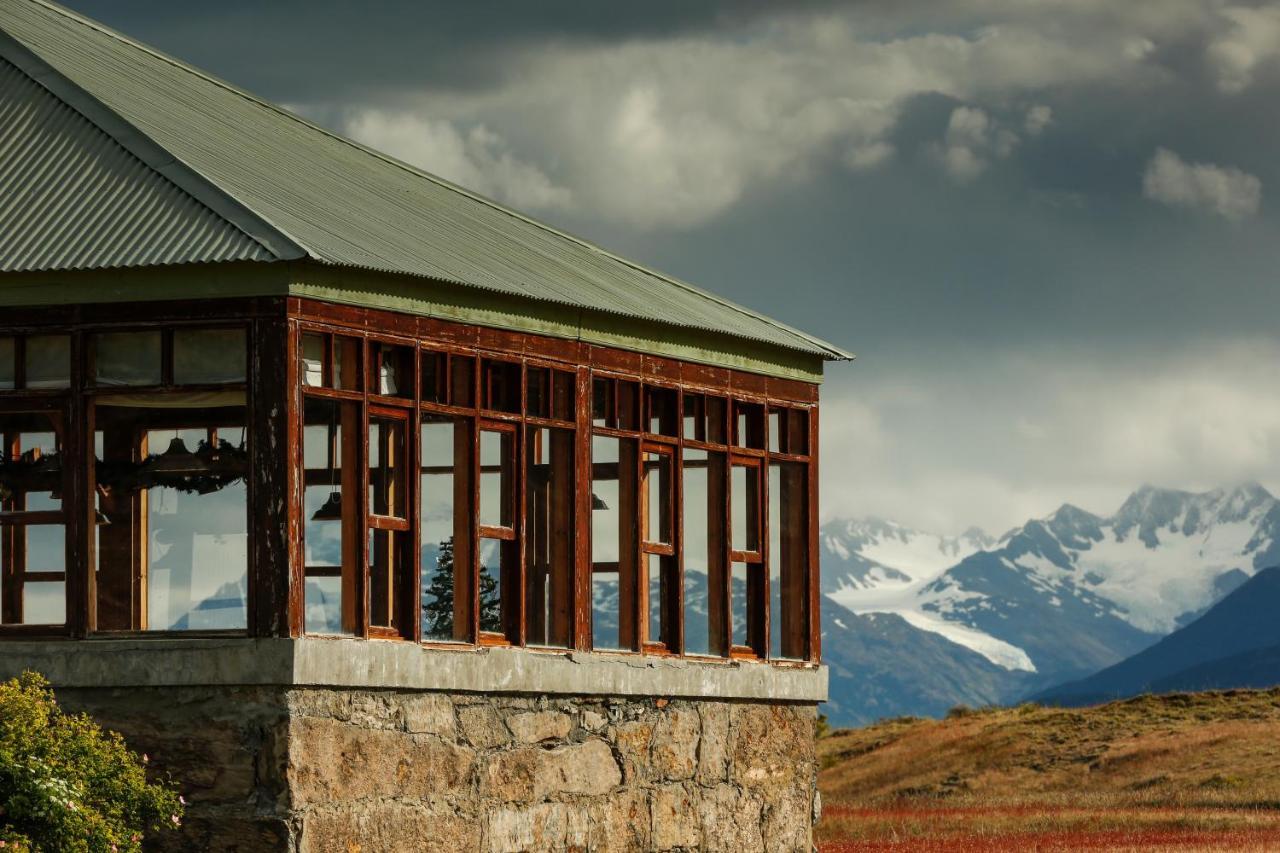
(275, 579)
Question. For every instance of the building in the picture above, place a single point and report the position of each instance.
(384, 517)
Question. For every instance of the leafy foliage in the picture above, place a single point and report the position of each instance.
(68, 786)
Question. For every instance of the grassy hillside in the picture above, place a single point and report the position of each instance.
(1184, 772)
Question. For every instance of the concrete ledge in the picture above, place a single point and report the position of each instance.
(167, 662)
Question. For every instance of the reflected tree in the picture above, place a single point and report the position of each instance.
(437, 603)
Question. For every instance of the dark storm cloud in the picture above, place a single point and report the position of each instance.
(962, 192)
(370, 50)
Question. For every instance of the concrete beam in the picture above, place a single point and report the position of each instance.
(370, 664)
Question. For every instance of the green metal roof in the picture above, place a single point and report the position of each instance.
(297, 191)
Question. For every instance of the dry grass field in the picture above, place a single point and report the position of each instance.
(1180, 772)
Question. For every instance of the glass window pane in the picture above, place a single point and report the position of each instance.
(697, 635)
(715, 409)
(393, 367)
(564, 396)
(210, 356)
(748, 425)
(435, 367)
(347, 366)
(740, 597)
(330, 495)
(658, 571)
(775, 431)
(387, 569)
(501, 386)
(611, 553)
(323, 605)
(44, 603)
(7, 361)
(628, 405)
(797, 431)
(602, 391)
(387, 493)
(661, 417)
(659, 498)
(549, 537)
(745, 504)
(36, 483)
(498, 560)
(444, 578)
(126, 358)
(539, 392)
(48, 361)
(497, 483)
(313, 360)
(462, 380)
(788, 561)
(198, 547)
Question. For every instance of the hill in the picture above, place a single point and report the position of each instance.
(1197, 654)
(1147, 770)
(882, 666)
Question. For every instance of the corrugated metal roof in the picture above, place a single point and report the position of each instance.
(350, 206)
(71, 197)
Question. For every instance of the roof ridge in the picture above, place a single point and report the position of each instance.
(142, 146)
(421, 173)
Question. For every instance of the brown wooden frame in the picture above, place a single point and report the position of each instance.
(275, 394)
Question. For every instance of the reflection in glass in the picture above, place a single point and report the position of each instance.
(494, 556)
(549, 529)
(7, 362)
(605, 534)
(173, 539)
(440, 573)
(659, 498)
(126, 358)
(386, 467)
(328, 483)
(657, 579)
(697, 638)
(313, 360)
(212, 356)
(497, 456)
(48, 361)
(198, 553)
(740, 598)
(745, 505)
(788, 560)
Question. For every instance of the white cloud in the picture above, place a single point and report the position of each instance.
(1037, 119)
(669, 132)
(971, 141)
(1251, 37)
(941, 449)
(477, 159)
(1222, 190)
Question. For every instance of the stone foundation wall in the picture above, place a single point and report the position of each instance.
(314, 770)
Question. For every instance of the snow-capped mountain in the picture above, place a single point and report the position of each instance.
(1068, 594)
(871, 554)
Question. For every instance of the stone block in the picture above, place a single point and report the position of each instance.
(584, 768)
(673, 751)
(429, 713)
(483, 727)
(388, 826)
(538, 726)
(633, 741)
(713, 746)
(332, 761)
(730, 820)
(545, 826)
(674, 820)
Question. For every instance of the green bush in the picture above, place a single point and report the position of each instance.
(66, 785)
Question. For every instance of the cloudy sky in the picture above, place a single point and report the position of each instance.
(1048, 228)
